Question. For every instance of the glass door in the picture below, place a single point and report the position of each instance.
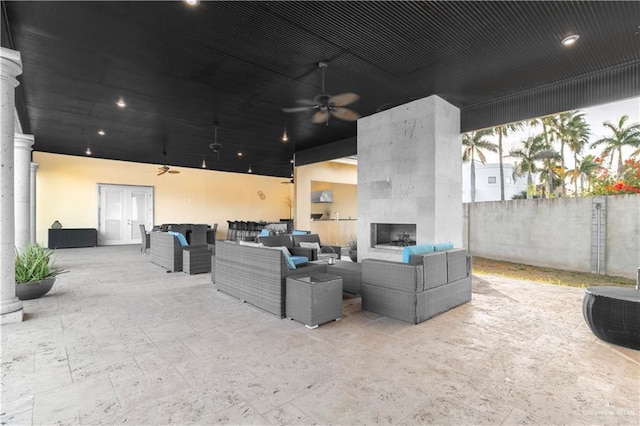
(121, 211)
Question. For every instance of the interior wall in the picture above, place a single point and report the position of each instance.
(345, 200)
(328, 171)
(67, 192)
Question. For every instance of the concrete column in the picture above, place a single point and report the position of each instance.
(10, 68)
(32, 203)
(410, 172)
(22, 173)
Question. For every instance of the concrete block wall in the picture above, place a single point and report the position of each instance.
(557, 233)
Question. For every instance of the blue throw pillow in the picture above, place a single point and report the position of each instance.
(409, 251)
(299, 260)
(290, 264)
(443, 246)
(265, 232)
(181, 239)
(299, 233)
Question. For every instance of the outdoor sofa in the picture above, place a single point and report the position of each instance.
(425, 285)
(256, 275)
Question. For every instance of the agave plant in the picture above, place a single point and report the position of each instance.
(34, 263)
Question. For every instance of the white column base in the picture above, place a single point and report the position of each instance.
(11, 311)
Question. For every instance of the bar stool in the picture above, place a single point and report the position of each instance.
(231, 232)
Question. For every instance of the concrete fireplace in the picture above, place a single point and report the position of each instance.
(409, 178)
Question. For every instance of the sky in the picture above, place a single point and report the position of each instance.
(595, 116)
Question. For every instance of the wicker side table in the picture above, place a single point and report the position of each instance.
(196, 260)
(314, 299)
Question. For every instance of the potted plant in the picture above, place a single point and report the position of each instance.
(35, 273)
(353, 249)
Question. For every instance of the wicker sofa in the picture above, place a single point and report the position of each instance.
(428, 285)
(256, 275)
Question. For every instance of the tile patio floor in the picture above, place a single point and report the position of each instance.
(119, 341)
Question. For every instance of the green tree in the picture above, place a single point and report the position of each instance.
(502, 131)
(622, 136)
(577, 137)
(525, 155)
(474, 143)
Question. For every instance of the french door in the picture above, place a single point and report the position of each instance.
(121, 210)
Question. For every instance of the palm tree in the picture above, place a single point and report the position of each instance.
(622, 136)
(577, 139)
(526, 156)
(474, 143)
(586, 170)
(549, 173)
(504, 130)
(548, 154)
(569, 128)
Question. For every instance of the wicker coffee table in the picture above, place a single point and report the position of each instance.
(351, 273)
(314, 299)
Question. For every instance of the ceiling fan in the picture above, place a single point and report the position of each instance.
(215, 146)
(327, 105)
(166, 169)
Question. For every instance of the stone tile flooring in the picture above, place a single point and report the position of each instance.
(120, 341)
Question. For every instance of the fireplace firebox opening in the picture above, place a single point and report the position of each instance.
(392, 235)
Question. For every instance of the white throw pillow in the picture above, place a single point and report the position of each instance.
(310, 245)
(250, 243)
(283, 249)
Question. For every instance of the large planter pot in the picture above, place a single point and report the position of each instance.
(35, 289)
(353, 255)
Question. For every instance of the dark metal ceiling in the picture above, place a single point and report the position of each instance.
(181, 68)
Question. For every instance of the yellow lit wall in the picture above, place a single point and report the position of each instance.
(345, 200)
(67, 191)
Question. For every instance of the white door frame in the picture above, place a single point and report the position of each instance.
(128, 234)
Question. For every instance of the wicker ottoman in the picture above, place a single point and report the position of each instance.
(196, 260)
(314, 299)
(613, 314)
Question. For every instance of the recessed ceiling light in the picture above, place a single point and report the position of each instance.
(570, 40)
(192, 2)
(285, 138)
(101, 132)
(204, 164)
(239, 154)
(121, 103)
(250, 169)
(88, 151)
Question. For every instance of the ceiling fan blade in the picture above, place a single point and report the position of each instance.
(299, 109)
(343, 99)
(320, 117)
(173, 172)
(161, 172)
(345, 114)
(308, 102)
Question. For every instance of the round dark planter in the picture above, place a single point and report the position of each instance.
(35, 289)
(353, 255)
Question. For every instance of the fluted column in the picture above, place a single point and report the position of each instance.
(32, 203)
(10, 68)
(22, 173)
